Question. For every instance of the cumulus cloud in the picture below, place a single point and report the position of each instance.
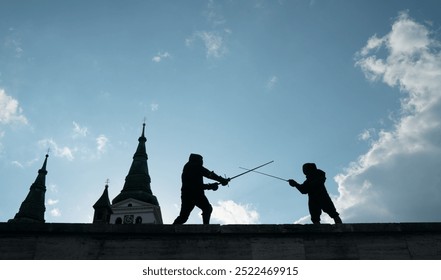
(17, 163)
(399, 178)
(366, 134)
(229, 212)
(63, 152)
(101, 142)
(213, 41)
(78, 130)
(154, 107)
(161, 56)
(82, 144)
(55, 212)
(10, 111)
(51, 201)
(22, 165)
(53, 188)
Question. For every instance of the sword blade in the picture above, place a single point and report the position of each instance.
(249, 170)
(269, 175)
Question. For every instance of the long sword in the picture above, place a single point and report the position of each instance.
(264, 174)
(249, 170)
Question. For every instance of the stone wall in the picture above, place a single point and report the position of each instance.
(142, 241)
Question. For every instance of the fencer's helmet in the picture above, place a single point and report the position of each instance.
(309, 168)
(195, 158)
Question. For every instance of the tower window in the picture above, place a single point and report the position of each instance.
(118, 221)
(138, 220)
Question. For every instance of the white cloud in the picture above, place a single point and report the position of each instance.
(78, 130)
(160, 56)
(399, 177)
(366, 134)
(405, 31)
(229, 212)
(101, 142)
(272, 82)
(53, 188)
(51, 201)
(25, 164)
(18, 164)
(55, 212)
(373, 44)
(10, 111)
(63, 152)
(84, 148)
(214, 42)
(213, 14)
(154, 107)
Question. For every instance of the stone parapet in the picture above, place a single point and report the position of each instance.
(209, 242)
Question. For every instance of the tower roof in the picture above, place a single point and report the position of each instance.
(32, 208)
(137, 184)
(103, 201)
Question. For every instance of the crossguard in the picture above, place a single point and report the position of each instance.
(228, 184)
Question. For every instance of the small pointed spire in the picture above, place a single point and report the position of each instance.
(102, 207)
(142, 138)
(104, 200)
(43, 168)
(32, 208)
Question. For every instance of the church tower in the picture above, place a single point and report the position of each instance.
(136, 203)
(32, 208)
(103, 208)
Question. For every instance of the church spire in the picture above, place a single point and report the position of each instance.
(137, 184)
(32, 208)
(102, 207)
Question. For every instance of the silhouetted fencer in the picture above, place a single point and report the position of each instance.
(193, 189)
(319, 199)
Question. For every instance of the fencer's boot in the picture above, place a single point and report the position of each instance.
(338, 220)
(206, 218)
(206, 214)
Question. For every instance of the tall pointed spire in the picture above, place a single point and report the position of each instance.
(137, 184)
(32, 208)
(102, 207)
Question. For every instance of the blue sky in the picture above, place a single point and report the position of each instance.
(353, 86)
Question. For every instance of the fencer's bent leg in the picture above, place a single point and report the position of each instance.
(206, 208)
(186, 208)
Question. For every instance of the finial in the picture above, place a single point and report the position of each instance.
(43, 168)
(107, 183)
(143, 129)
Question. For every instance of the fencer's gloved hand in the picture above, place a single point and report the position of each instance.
(224, 181)
(293, 183)
(212, 186)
